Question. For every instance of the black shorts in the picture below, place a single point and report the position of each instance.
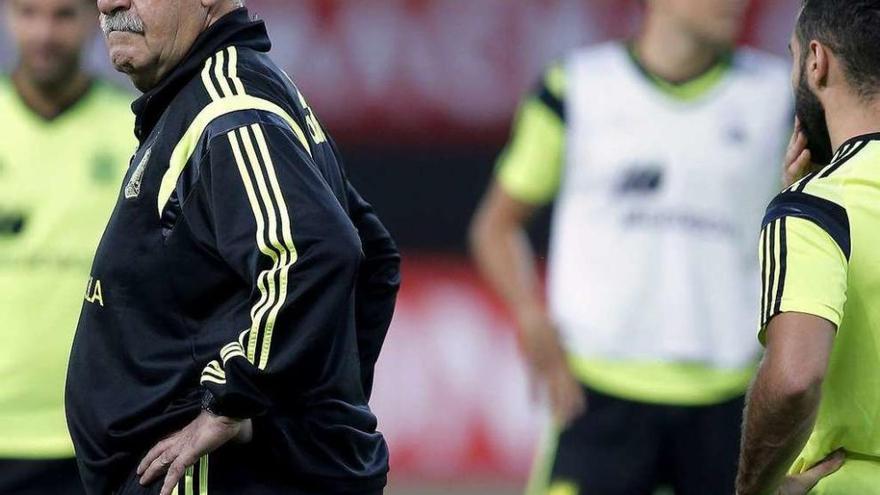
(40, 477)
(621, 447)
(235, 470)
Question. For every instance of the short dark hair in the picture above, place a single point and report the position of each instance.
(851, 29)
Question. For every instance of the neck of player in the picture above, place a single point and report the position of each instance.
(51, 100)
(848, 116)
(671, 53)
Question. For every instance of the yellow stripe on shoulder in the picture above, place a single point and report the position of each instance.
(220, 107)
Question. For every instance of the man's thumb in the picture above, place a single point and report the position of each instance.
(824, 468)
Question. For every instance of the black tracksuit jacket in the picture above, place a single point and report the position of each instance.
(240, 269)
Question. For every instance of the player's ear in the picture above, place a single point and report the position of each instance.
(818, 64)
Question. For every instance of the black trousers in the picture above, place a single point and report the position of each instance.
(621, 447)
(40, 477)
(235, 470)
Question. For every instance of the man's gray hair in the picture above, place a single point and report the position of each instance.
(238, 3)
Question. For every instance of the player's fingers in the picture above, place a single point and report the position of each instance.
(568, 402)
(807, 480)
(800, 142)
(789, 150)
(178, 468)
(802, 164)
(797, 169)
(172, 477)
(828, 466)
(795, 129)
(797, 145)
(158, 467)
(151, 456)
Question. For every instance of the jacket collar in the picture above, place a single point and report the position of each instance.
(236, 28)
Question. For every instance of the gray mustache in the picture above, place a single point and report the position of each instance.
(123, 20)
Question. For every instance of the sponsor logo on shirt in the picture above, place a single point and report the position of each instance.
(104, 169)
(11, 223)
(94, 292)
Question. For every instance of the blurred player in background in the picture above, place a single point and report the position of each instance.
(65, 142)
(816, 397)
(660, 155)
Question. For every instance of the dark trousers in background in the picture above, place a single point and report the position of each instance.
(40, 477)
(621, 447)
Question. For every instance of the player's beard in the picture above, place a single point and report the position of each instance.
(54, 77)
(813, 123)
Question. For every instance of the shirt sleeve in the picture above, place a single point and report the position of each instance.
(280, 227)
(804, 258)
(530, 167)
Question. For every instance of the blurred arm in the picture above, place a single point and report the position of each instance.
(502, 252)
(528, 177)
(783, 400)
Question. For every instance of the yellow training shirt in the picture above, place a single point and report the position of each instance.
(59, 180)
(819, 256)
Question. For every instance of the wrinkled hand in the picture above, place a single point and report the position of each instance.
(173, 455)
(801, 484)
(797, 157)
(549, 367)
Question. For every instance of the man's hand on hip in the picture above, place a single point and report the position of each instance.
(801, 484)
(173, 455)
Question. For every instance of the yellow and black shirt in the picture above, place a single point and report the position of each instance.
(241, 271)
(819, 256)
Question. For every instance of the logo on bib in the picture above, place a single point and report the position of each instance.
(641, 178)
(133, 188)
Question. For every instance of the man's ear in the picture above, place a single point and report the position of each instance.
(209, 4)
(817, 66)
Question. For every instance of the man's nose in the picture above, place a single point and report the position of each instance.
(107, 7)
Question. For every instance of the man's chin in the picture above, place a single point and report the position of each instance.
(122, 57)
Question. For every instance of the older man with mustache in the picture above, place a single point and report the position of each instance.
(242, 290)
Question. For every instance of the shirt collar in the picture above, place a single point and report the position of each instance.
(235, 28)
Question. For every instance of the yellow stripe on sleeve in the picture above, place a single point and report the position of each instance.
(286, 247)
(187, 145)
(233, 70)
(206, 80)
(220, 74)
